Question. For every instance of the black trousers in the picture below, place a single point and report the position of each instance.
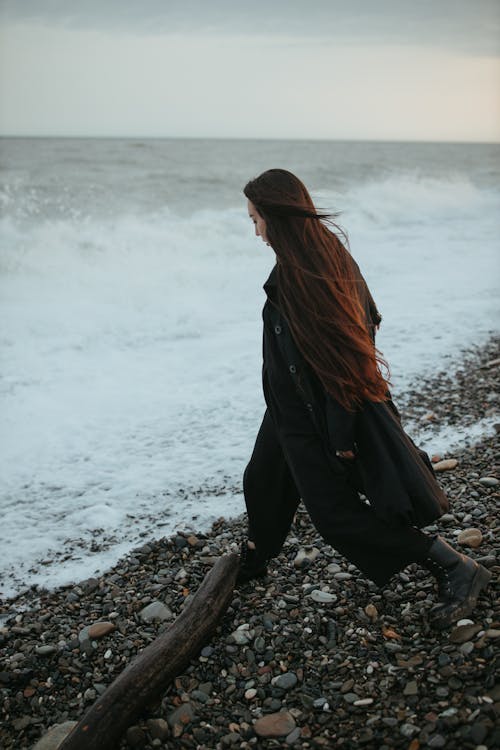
(286, 468)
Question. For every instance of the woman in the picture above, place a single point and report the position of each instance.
(331, 435)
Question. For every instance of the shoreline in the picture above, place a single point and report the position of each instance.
(440, 413)
(363, 670)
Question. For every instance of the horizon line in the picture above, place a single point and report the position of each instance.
(245, 138)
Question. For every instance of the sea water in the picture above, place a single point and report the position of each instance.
(130, 300)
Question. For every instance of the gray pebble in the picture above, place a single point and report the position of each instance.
(199, 695)
(436, 740)
(489, 481)
(351, 697)
(293, 736)
(478, 733)
(466, 648)
(155, 611)
(285, 681)
(409, 730)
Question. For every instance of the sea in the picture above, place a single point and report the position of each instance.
(130, 302)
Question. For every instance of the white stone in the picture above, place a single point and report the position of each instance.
(305, 556)
(322, 597)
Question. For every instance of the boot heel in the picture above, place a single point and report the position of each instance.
(481, 580)
(447, 613)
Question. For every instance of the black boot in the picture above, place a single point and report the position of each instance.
(459, 580)
(251, 564)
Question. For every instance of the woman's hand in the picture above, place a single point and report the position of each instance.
(350, 455)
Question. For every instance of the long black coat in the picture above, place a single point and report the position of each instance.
(393, 474)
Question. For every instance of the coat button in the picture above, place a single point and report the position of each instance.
(309, 407)
(292, 369)
(277, 329)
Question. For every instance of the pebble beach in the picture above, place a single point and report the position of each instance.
(311, 656)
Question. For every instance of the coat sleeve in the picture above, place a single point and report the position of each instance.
(341, 425)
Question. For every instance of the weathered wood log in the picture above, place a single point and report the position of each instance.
(154, 668)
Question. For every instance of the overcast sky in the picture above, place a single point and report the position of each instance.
(369, 69)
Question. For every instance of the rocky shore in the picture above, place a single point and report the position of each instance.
(312, 656)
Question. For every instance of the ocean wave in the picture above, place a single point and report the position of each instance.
(410, 199)
(131, 345)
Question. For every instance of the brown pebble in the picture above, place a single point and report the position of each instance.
(158, 729)
(470, 538)
(462, 633)
(100, 629)
(275, 725)
(492, 633)
(446, 465)
(371, 611)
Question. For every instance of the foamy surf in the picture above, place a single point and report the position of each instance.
(131, 338)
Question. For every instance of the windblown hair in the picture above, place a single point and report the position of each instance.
(320, 290)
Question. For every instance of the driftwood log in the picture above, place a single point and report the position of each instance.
(154, 668)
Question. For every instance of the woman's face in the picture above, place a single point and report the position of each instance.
(260, 224)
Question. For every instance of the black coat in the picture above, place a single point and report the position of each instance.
(389, 470)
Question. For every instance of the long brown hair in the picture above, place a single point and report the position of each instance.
(319, 289)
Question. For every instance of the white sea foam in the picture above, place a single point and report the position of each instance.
(452, 437)
(130, 354)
